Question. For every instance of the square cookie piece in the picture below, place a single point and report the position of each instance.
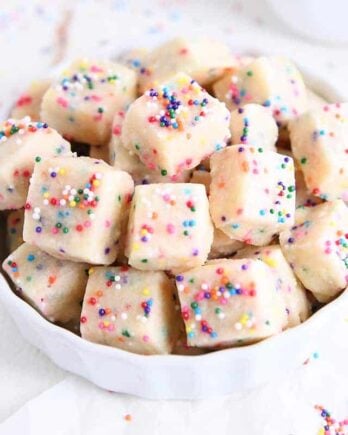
(52, 286)
(175, 125)
(131, 310)
(204, 60)
(29, 102)
(289, 288)
(317, 249)
(319, 141)
(273, 82)
(254, 124)
(252, 193)
(82, 103)
(22, 143)
(126, 160)
(14, 229)
(75, 207)
(169, 227)
(230, 302)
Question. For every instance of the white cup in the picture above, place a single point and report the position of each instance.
(324, 20)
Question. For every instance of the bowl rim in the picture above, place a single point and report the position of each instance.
(320, 86)
(43, 323)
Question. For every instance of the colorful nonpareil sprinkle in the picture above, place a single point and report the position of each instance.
(76, 205)
(54, 287)
(253, 124)
(285, 97)
(225, 303)
(319, 242)
(130, 309)
(331, 426)
(24, 143)
(169, 227)
(83, 102)
(184, 124)
(318, 141)
(255, 174)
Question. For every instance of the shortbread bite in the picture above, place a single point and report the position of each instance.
(254, 124)
(292, 292)
(175, 125)
(317, 249)
(319, 141)
(273, 82)
(125, 160)
(14, 229)
(82, 103)
(29, 102)
(75, 208)
(54, 287)
(204, 60)
(169, 227)
(230, 302)
(130, 309)
(252, 193)
(22, 144)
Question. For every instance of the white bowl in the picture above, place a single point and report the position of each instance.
(173, 376)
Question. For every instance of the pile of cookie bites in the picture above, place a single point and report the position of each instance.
(178, 200)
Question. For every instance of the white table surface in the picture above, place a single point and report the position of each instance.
(34, 35)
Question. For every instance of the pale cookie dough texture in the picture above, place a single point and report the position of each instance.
(14, 229)
(130, 309)
(230, 302)
(315, 101)
(252, 193)
(204, 60)
(319, 141)
(169, 227)
(254, 124)
(317, 249)
(273, 82)
(52, 286)
(288, 287)
(222, 246)
(75, 208)
(22, 143)
(81, 104)
(126, 160)
(175, 126)
(29, 102)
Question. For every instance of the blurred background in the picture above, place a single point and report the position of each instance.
(37, 35)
